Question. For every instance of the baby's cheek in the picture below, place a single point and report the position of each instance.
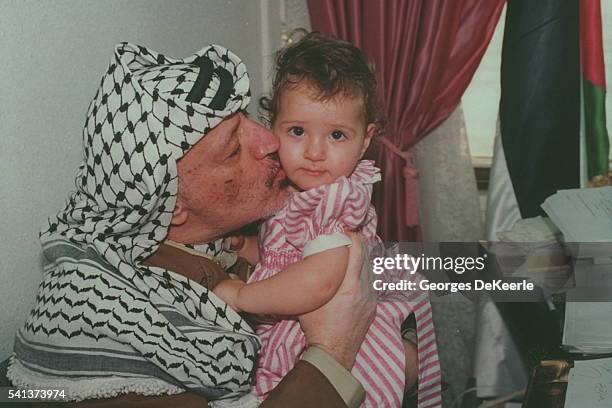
(287, 154)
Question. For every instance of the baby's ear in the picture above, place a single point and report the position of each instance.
(370, 130)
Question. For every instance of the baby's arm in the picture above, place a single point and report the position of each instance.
(300, 288)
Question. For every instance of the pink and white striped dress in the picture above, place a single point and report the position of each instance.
(380, 363)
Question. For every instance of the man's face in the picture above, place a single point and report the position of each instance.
(231, 177)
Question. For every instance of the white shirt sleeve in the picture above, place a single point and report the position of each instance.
(325, 242)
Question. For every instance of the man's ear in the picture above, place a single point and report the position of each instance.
(180, 214)
(368, 138)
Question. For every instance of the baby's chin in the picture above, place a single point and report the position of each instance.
(298, 187)
(302, 185)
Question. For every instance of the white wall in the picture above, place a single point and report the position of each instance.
(53, 56)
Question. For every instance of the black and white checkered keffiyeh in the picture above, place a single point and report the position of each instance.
(103, 323)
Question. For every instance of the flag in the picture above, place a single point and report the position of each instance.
(537, 152)
(540, 100)
(552, 51)
(594, 93)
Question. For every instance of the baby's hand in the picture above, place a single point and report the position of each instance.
(228, 290)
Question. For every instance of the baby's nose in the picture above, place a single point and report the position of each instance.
(314, 150)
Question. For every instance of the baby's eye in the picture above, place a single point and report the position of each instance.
(296, 131)
(337, 135)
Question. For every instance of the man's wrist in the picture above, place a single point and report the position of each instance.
(347, 386)
(341, 355)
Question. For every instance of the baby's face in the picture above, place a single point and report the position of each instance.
(319, 140)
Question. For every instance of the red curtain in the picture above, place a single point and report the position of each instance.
(425, 53)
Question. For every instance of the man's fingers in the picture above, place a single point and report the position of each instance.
(356, 254)
(367, 277)
(237, 242)
(359, 267)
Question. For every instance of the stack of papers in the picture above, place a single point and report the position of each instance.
(530, 230)
(582, 215)
(587, 327)
(590, 384)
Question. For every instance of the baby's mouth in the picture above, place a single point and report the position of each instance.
(313, 172)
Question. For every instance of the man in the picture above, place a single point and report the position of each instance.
(125, 309)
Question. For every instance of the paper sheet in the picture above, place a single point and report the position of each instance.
(583, 215)
(590, 384)
(587, 327)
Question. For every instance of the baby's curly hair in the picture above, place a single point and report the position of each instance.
(331, 68)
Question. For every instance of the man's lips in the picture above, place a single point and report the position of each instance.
(280, 174)
(275, 173)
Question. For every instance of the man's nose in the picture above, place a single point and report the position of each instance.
(314, 149)
(260, 140)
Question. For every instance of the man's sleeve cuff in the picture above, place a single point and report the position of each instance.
(347, 386)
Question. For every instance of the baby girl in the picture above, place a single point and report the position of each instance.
(323, 109)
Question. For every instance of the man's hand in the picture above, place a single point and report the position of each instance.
(339, 326)
(228, 291)
(246, 246)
